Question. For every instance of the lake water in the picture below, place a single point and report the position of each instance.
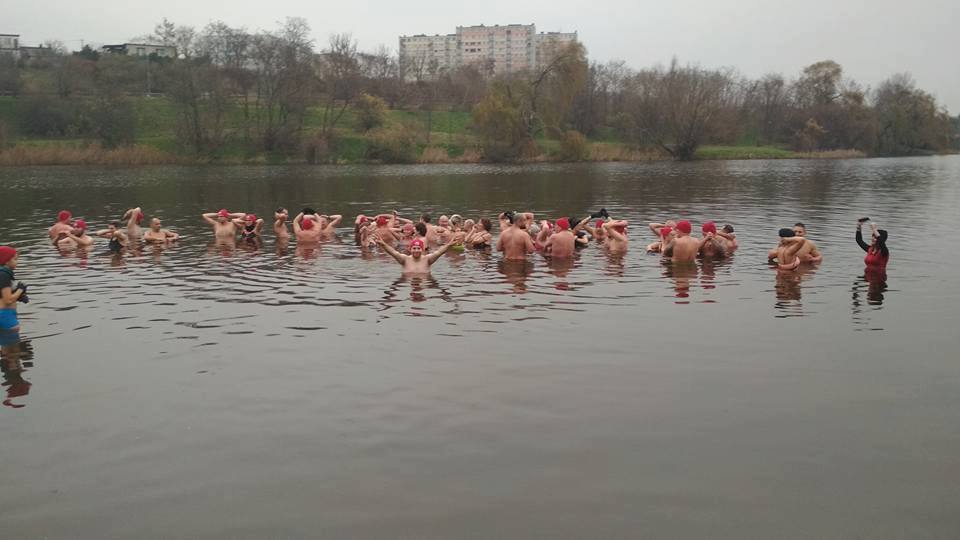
(197, 391)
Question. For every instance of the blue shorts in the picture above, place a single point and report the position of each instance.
(8, 319)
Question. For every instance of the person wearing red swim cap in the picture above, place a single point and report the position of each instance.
(683, 248)
(415, 262)
(616, 232)
(562, 243)
(656, 229)
(711, 245)
(307, 229)
(133, 217)
(225, 224)
(158, 235)
(76, 237)
(11, 291)
(59, 229)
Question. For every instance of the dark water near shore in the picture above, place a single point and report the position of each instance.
(197, 391)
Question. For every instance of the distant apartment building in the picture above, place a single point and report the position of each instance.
(141, 49)
(10, 44)
(496, 49)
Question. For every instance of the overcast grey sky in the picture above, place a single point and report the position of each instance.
(870, 39)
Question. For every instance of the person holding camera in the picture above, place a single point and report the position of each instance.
(11, 290)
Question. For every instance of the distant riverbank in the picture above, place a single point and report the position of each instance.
(77, 153)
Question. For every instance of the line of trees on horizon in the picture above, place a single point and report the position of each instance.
(258, 89)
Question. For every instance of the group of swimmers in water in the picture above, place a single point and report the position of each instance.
(409, 242)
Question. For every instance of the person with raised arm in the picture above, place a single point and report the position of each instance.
(158, 235)
(280, 224)
(306, 228)
(59, 230)
(415, 262)
(615, 232)
(250, 227)
(664, 239)
(328, 225)
(225, 224)
(117, 238)
(787, 251)
(711, 245)
(562, 243)
(76, 236)
(683, 248)
(877, 253)
(133, 217)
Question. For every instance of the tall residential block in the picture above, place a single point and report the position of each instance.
(495, 49)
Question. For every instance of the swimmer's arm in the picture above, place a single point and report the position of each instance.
(431, 258)
(104, 233)
(793, 245)
(296, 222)
(334, 220)
(258, 226)
(582, 224)
(131, 216)
(726, 236)
(400, 257)
(548, 245)
(667, 250)
(172, 236)
(863, 245)
(500, 242)
(209, 218)
(655, 228)
(608, 228)
(772, 254)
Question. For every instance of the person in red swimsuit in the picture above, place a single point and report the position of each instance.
(877, 252)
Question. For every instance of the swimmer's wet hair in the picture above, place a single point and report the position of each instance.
(486, 224)
(787, 233)
(800, 224)
(421, 229)
(425, 218)
(728, 228)
(309, 211)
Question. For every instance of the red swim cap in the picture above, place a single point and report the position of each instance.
(6, 254)
(709, 227)
(416, 242)
(665, 231)
(64, 215)
(563, 223)
(599, 224)
(381, 221)
(683, 226)
(306, 224)
(250, 217)
(139, 217)
(223, 213)
(80, 224)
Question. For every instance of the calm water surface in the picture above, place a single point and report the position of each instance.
(196, 391)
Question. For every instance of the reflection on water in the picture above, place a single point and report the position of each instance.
(872, 284)
(16, 357)
(204, 376)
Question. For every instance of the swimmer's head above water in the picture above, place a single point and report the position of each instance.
(787, 233)
(416, 248)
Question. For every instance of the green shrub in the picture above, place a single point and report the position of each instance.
(371, 112)
(392, 145)
(574, 146)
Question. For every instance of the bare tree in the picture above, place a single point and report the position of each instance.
(338, 73)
